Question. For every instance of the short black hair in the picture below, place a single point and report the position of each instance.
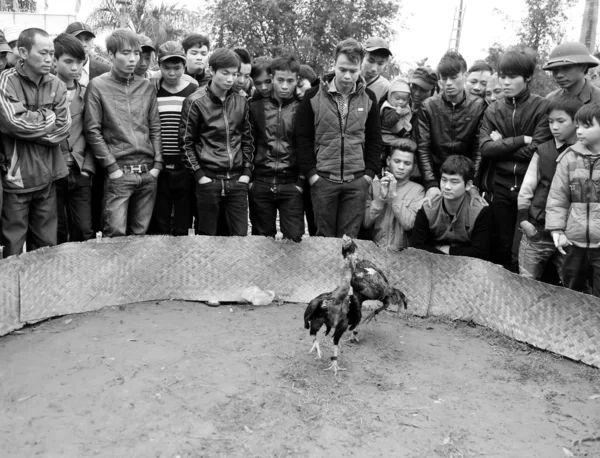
(353, 50)
(67, 44)
(517, 62)
(382, 52)
(223, 58)
(285, 62)
(481, 66)
(260, 65)
(566, 102)
(27, 37)
(243, 54)
(587, 113)
(195, 39)
(121, 38)
(458, 164)
(452, 63)
(306, 72)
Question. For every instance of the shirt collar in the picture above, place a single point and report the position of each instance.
(333, 89)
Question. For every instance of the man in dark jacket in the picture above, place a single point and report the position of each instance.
(339, 143)
(91, 67)
(122, 126)
(277, 184)
(196, 47)
(216, 142)
(34, 121)
(449, 124)
(511, 130)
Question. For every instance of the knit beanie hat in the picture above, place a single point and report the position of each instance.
(399, 84)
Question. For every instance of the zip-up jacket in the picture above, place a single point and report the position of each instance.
(514, 118)
(446, 129)
(275, 158)
(121, 123)
(34, 120)
(324, 148)
(215, 135)
(75, 148)
(573, 205)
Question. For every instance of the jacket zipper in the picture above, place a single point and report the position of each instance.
(277, 140)
(515, 134)
(227, 139)
(130, 117)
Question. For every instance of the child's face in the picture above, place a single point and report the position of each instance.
(589, 135)
(453, 187)
(512, 85)
(562, 126)
(399, 99)
(401, 164)
(67, 67)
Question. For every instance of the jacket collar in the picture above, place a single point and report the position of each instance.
(328, 84)
(457, 104)
(121, 79)
(519, 99)
(212, 95)
(578, 148)
(21, 71)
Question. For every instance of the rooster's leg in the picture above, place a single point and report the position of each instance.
(375, 312)
(315, 346)
(334, 364)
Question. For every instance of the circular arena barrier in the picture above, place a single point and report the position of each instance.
(81, 277)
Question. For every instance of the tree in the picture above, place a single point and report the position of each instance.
(309, 28)
(25, 6)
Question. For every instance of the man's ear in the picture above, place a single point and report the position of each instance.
(23, 53)
(528, 79)
(111, 56)
(469, 185)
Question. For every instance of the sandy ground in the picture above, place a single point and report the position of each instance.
(179, 379)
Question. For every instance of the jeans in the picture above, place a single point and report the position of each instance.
(234, 197)
(266, 199)
(339, 207)
(74, 208)
(580, 265)
(29, 216)
(128, 204)
(174, 196)
(535, 253)
(505, 237)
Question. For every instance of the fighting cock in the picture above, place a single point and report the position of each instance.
(336, 309)
(369, 283)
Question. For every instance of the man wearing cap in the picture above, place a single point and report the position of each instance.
(91, 67)
(377, 53)
(12, 33)
(569, 62)
(5, 50)
(175, 194)
(422, 85)
(146, 50)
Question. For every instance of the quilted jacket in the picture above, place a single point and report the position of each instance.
(573, 205)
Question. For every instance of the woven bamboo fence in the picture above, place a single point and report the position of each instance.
(81, 277)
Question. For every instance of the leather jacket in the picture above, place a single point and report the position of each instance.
(215, 136)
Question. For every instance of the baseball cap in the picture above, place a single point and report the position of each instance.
(375, 43)
(424, 77)
(146, 42)
(3, 43)
(169, 50)
(12, 32)
(75, 28)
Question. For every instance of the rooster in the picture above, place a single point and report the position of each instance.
(369, 283)
(336, 309)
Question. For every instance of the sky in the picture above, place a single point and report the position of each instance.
(428, 25)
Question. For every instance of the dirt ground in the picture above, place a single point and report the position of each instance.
(180, 379)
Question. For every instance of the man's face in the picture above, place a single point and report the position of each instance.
(172, 71)
(39, 58)
(372, 66)
(243, 80)
(142, 66)
(493, 92)
(13, 56)
(87, 40)
(264, 84)
(224, 78)
(562, 126)
(453, 85)
(589, 135)
(125, 60)
(346, 73)
(419, 94)
(568, 75)
(512, 85)
(197, 59)
(67, 67)
(477, 82)
(453, 187)
(401, 164)
(302, 86)
(3, 59)
(284, 83)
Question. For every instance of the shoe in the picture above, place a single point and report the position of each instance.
(213, 303)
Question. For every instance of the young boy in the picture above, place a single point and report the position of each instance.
(74, 192)
(573, 207)
(277, 184)
(146, 50)
(218, 154)
(174, 206)
(393, 201)
(455, 223)
(510, 132)
(122, 126)
(537, 246)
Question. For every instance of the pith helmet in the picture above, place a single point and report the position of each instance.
(570, 53)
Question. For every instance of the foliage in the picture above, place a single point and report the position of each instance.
(309, 28)
(25, 6)
(161, 23)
